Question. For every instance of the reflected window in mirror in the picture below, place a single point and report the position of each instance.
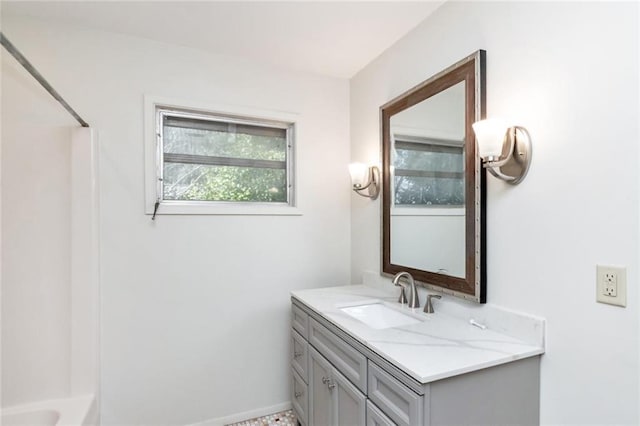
(428, 151)
(427, 172)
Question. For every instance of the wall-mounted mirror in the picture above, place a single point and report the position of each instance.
(433, 182)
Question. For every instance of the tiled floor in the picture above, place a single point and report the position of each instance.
(285, 418)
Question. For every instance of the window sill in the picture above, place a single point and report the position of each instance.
(231, 209)
(427, 211)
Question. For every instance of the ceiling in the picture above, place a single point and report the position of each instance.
(330, 38)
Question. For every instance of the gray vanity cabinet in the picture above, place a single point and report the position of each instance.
(337, 381)
(375, 416)
(400, 403)
(299, 356)
(334, 400)
(351, 363)
(320, 404)
(349, 404)
(299, 359)
(299, 397)
(329, 385)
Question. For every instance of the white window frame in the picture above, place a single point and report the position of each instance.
(153, 161)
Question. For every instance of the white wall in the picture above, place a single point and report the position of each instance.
(35, 240)
(569, 73)
(195, 309)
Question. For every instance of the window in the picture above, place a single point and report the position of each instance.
(428, 172)
(205, 159)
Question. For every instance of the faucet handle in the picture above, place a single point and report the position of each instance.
(428, 307)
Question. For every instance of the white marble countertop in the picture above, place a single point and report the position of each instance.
(440, 345)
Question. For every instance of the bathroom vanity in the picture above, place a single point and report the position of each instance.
(360, 358)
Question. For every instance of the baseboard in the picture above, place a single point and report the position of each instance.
(234, 418)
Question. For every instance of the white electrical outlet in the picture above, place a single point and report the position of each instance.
(611, 285)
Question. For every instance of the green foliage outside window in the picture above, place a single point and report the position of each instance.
(428, 178)
(206, 182)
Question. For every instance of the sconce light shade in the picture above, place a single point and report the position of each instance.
(490, 134)
(365, 177)
(359, 173)
(494, 139)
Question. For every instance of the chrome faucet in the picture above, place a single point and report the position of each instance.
(413, 299)
(428, 307)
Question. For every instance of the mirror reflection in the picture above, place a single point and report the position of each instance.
(427, 186)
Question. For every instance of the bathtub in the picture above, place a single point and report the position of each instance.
(76, 411)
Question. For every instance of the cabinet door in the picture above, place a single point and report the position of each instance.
(349, 404)
(375, 417)
(320, 405)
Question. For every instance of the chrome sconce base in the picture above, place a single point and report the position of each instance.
(372, 186)
(513, 164)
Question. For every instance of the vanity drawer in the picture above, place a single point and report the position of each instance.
(299, 355)
(300, 321)
(398, 402)
(375, 417)
(299, 398)
(351, 363)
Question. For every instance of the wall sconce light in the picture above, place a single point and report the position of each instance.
(505, 151)
(365, 177)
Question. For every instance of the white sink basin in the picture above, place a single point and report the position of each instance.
(379, 316)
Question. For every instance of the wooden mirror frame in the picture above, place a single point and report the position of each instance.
(471, 70)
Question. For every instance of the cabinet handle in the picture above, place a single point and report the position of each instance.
(298, 394)
(331, 385)
(325, 380)
(297, 354)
